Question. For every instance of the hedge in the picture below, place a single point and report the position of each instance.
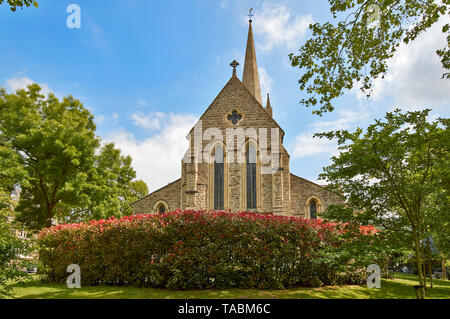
(201, 249)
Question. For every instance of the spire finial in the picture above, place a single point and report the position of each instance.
(250, 78)
(234, 65)
(250, 14)
(268, 106)
(268, 101)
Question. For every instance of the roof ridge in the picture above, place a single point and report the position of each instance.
(144, 197)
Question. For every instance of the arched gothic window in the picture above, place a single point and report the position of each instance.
(251, 155)
(161, 208)
(313, 209)
(218, 178)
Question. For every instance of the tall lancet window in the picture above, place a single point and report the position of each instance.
(218, 178)
(313, 210)
(251, 176)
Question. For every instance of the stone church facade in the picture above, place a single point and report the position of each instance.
(217, 180)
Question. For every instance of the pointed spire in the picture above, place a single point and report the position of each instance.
(268, 101)
(268, 106)
(250, 78)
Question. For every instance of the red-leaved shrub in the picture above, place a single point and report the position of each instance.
(201, 249)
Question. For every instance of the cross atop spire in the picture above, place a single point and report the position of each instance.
(234, 65)
(250, 78)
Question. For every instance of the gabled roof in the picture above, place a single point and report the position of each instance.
(161, 188)
(234, 78)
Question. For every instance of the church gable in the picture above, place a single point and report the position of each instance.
(304, 191)
(262, 182)
(236, 107)
(167, 197)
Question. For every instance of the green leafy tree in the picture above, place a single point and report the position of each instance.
(11, 246)
(438, 221)
(13, 4)
(112, 187)
(352, 52)
(389, 172)
(135, 190)
(56, 140)
(70, 177)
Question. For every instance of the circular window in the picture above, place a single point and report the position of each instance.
(234, 117)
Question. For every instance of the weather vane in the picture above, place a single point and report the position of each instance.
(250, 14)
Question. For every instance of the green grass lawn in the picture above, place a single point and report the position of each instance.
(400, 287)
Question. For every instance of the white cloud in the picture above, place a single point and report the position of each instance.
(265, 81)
(15, 84)
(347, 118)
(157, 158)
(306, 145)
(278, 27)
(151, 121)
(414, 76)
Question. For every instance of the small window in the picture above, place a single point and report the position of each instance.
(161, 209)
(313, 209)
(218, 178)
(251, 176)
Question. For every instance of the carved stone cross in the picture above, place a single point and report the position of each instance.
(234, 65)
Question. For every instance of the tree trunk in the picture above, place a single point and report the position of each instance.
(424, 271)
(49, 216)
(421, 294)
(444, 271)
(430, 273)
(429, 263)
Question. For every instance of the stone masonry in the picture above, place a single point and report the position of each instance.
(280, 193)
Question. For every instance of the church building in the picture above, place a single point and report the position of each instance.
(224, 183)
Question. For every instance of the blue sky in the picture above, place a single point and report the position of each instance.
(148, 69)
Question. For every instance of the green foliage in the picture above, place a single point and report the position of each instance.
(437, 208)
(349, 52)
(56, 146)
(57, 142)
(111, 188)
(10, 246)
(199, 249)
(11, 250)
(13, 4)
(391, 174)
(11, 173)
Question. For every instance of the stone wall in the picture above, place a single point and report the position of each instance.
(170, 194)
(234, 96)
(302, 190)
(280, 193)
